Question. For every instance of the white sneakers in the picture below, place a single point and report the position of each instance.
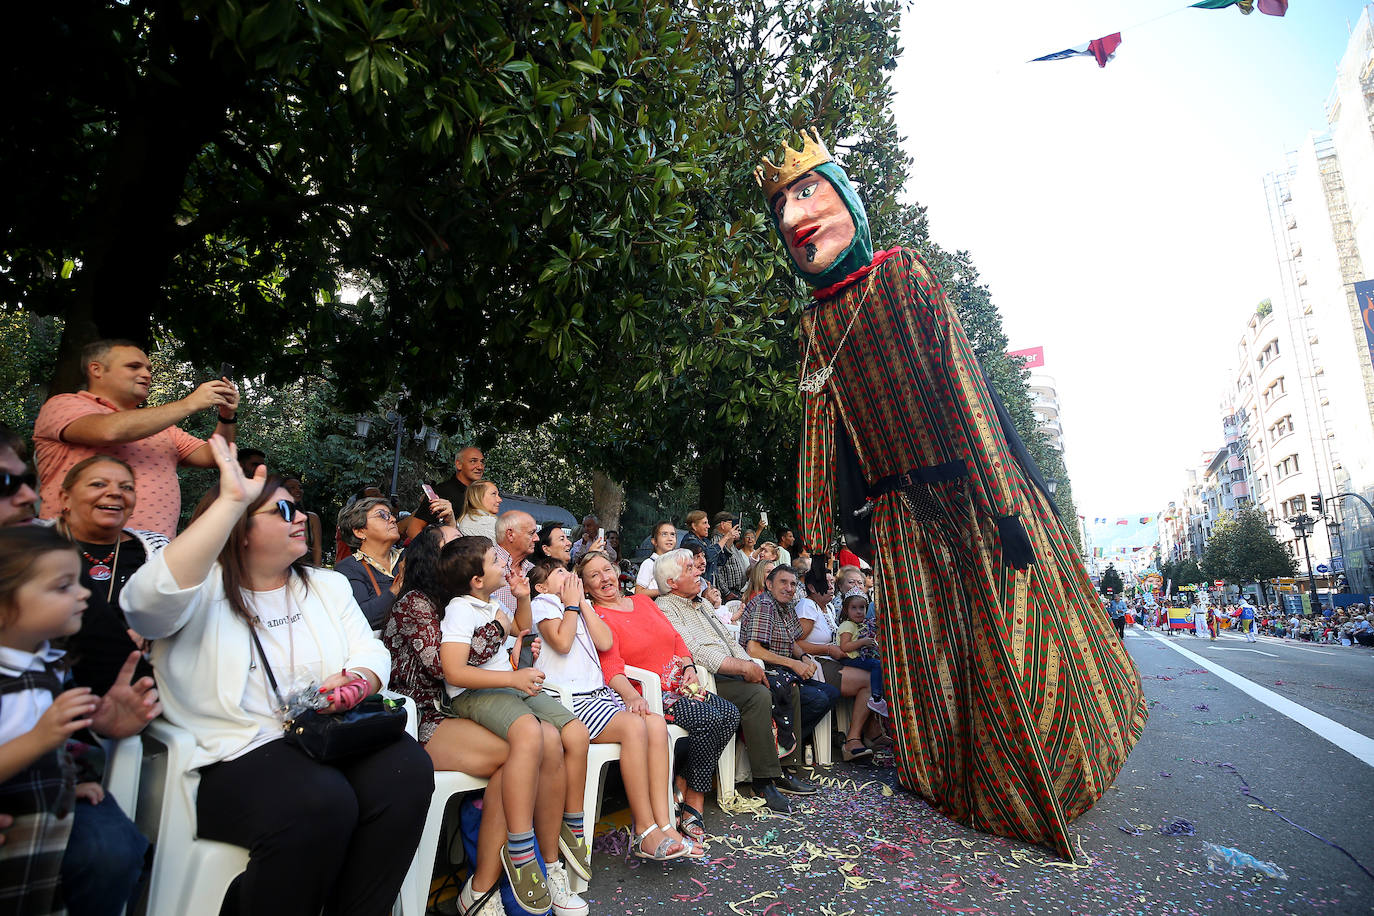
(565, 902)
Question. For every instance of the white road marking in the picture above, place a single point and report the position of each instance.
(1359, 746)
(1237, 649)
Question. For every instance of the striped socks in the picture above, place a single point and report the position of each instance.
(520, 846)
(574, 822)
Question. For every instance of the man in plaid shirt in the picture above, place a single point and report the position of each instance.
(771, 633)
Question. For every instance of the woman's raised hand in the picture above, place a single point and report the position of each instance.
(233, 485)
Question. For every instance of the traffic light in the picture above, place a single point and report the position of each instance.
(1316, 499)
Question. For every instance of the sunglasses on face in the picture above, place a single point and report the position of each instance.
(287, 509)
(11, 483)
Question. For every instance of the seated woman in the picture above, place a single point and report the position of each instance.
(334, 836)
(818, 640)
(374, 568)
(480, 508)
(574, 636)
(412, 637)
(645, 639)
(314, 538)
(553, 543)
(663, 540)
(97, 498)
(754, 585)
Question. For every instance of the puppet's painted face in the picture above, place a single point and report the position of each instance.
(814, 222)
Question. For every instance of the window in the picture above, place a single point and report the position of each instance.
(1287, 467)
(1269, 353)
(1281, 428)
(1274, 391)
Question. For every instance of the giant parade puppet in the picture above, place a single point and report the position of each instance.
(1013, 703)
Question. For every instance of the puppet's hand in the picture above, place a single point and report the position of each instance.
(1016, 546)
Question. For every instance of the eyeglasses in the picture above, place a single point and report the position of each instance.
(287, 509)
(384, 515)
(10, 483)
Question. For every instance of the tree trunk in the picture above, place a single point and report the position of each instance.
(712, 482)
(132, 240)
(608, 500)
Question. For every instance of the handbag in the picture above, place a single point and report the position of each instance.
(373, 724)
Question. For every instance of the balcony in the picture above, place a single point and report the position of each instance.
(1234, 463)
(1240, 490)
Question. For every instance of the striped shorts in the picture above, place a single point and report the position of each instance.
(596, 709)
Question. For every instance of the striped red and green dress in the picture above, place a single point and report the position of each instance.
(1014, 705)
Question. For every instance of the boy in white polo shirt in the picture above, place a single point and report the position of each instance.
(483, 686)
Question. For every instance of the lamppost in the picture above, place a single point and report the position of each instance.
(1303, 525)
(1278, 598)
(397, 422)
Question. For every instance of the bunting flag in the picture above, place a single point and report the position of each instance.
(1146, 519)
(1122, 521)
(1268, 7)
(1099, 49)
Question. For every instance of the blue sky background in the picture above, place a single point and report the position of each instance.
(1117, 214)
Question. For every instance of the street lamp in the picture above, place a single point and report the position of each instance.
(397, 422)
(1303, 525)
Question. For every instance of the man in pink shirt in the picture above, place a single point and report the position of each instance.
(104, 419)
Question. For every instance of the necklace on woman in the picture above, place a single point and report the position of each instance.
(815, 382)
(100, 570)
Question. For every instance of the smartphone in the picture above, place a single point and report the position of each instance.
(226, 370)
(429, 492)
(601, 534)
(763, 519)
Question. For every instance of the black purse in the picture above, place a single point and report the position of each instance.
(373, 724)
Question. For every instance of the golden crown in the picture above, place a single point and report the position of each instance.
(795, 163)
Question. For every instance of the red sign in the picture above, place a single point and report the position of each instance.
(1034, 356)
(1219, 584)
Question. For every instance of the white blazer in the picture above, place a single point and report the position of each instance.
(202, 650)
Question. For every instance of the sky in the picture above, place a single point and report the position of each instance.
(1117, 215)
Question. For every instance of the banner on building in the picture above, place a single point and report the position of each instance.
(1364, 296)
(1034, 357)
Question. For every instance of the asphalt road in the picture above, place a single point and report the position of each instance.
(1212, 756)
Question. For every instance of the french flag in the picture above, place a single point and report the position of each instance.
(1099, 49)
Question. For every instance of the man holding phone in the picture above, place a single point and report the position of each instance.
(468, 467)
(105, 419)
(732, 566)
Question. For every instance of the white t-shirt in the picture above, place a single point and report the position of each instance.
(824, 629)
(21, 710)
(473, 622)
(580, 669)
(277, 637)
(646, 574)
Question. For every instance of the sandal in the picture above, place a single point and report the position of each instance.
(855, 754)
(694, 849)
(661, 851)
(690, 824)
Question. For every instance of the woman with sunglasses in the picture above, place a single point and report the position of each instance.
(374, 568)
(337, 836)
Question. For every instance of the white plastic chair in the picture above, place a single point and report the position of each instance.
(728, 772)
(123, 770)
(414, 900)
(191, 874)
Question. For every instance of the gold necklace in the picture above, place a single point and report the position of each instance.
(815, 382)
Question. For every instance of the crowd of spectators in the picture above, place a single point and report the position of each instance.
(109, 618)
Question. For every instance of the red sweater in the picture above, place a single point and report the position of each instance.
(643, 638)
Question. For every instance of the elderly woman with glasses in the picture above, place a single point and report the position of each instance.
(228, 600)
(374, 569)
